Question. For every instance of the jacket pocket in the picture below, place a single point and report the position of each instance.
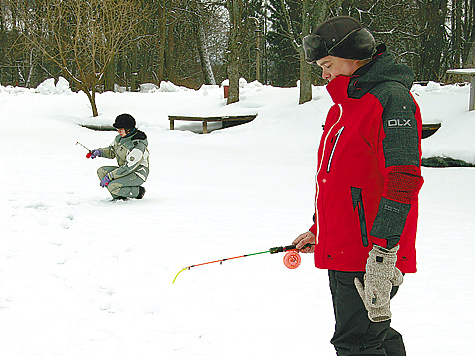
(357, 198)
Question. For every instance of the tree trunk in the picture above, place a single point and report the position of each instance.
(204, 56)
(134, 85)
(470, 62)
(457, 32)
(161, 49)
(128, 73)
(92, 99)
(202, 47)
(318, 10)
(305, 94)
(258, 55)
(109, 75)
(433, 14)
(310, 9)
(171, 66)
(234, 8)
(91, 95)
(468, 30)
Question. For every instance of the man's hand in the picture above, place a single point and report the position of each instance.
(304, 239)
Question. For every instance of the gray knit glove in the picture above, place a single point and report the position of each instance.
(381, 275)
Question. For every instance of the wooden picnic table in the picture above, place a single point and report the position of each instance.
(229, 119)
(471, 73)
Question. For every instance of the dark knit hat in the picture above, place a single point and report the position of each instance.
(342, 37)
(124, 121)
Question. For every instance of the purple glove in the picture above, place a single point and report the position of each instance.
(94, 153)
(105, 181)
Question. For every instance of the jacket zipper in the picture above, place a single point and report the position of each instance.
(319, 167)
(333, 149)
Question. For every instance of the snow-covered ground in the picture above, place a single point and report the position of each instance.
(81, 275)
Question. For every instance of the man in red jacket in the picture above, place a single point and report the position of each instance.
(367, 184)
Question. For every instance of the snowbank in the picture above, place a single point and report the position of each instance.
(48, 87)
(445, 104)
(83, 276)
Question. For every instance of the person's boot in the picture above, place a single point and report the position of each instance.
(141, 192)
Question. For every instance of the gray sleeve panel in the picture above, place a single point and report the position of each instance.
(401, 144)
(141, 146)
(390, 221)
(134, 160)
(109, 152)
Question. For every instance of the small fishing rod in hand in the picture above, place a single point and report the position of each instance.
(292, 258)
(80, 144)
(89, 151)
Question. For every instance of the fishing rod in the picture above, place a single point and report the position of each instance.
(89, 153)
(292, 258)
(80, 144)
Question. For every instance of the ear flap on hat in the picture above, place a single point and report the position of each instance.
(314, 47)
(358, 45)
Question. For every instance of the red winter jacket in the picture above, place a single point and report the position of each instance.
(368, 169)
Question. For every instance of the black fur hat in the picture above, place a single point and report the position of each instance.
(124, 121)
(342, 37)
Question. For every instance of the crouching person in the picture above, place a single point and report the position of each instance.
(129, 148)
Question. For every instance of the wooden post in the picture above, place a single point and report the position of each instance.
(172, 124)
(471, 73)
(205, 127)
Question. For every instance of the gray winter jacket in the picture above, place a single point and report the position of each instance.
(131, 153)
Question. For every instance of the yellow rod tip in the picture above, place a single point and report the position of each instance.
(174, 279)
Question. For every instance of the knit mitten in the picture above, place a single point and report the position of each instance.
(381, 275)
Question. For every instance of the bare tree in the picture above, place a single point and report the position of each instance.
(234, 48)
(313, 13)
(98, 43)
(468, 33)
(432, 18)
(80, 36)
(244, 33)
(200, 21)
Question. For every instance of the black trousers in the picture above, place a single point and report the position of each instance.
(354, 333)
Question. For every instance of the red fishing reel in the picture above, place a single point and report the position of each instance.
(292, 259)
